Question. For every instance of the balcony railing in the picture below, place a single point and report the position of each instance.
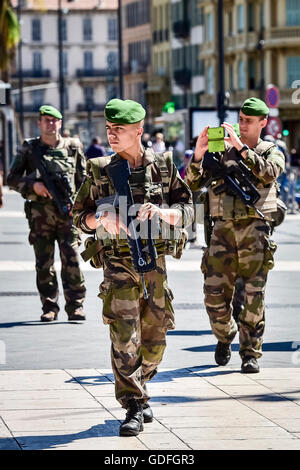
(135, 67)
(88, 107)
(289, 33)
(32, 73)
(28, 108)
(81, 73)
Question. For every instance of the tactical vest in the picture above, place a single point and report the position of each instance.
(62, 159)
(226, 206)
(145, 189)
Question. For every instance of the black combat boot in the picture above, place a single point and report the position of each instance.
(147, 413)
(249, 365)
(222, 353)
(133, 423)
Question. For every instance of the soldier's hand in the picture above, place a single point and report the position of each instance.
(232, 138)
(40, 189)
(112, 223)
(147, 211)
(201, 145)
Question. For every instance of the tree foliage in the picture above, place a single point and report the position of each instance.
(9, 33)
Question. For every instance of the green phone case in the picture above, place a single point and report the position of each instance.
(216, 139)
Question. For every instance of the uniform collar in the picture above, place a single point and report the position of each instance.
(148, 157)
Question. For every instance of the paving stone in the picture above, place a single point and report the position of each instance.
(162, 441)
(237, 432)
(252, 419)
(247, 444)
(290, 424)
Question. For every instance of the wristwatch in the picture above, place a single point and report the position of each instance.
(100, 214)
(245, 147)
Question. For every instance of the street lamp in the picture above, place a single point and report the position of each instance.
(20, 75)
(221, 92)
(60, 59)
(120, 43)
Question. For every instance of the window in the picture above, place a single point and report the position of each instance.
(209, 30)
(137, 13)
(37, 98)
(111, 92)
(230, 23)
(88, 93)
(210, 86)
(241, 18)
(292, 13)
(293, 70)
(37, 61)
(251, 74)
(112, 61)
(87, 29)
(231, 77)
(262, 16)
(88, 62)
(241, 75)
(36, 33)
(251, 17)
(112, 29)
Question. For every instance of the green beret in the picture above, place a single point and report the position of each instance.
(50, 111)
(255, 107)
(124, 111)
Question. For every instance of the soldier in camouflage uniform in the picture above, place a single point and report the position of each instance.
(240, 246)
(138, 326)
(46, 223)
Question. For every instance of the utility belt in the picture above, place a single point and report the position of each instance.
(95, 249)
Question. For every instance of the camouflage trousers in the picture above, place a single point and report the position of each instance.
(238, 249)
(46, 227)
(138, 327)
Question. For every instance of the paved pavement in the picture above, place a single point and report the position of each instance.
(196, 405)
(209, 408)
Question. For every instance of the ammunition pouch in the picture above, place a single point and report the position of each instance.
(270, 248)
(175, 246)
(93, 251)
(279, 215)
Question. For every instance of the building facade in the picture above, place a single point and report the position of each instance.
(261, 47)
(136, 41)
(90, 63)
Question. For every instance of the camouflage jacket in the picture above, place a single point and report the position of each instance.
(149, 187)
(67, 155)
(266, 163)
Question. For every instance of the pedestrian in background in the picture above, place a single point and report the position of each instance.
(62, 158)
(96, 149)
(159, 144)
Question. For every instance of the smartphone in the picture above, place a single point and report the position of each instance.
(216, 139)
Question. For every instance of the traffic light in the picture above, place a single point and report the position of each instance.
(285, 132)
(169, 107)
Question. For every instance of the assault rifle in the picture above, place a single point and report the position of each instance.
(58, 184)
(237, 180)
(143, 255)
